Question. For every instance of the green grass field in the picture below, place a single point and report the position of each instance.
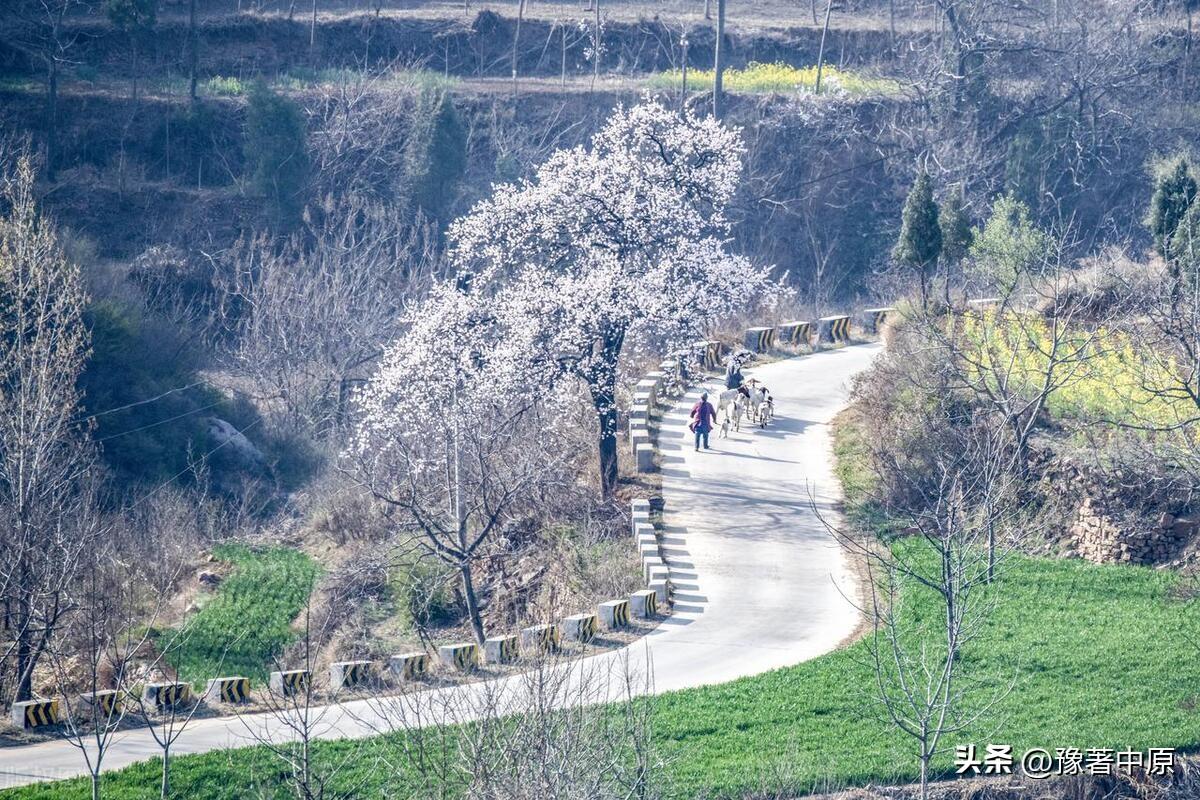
(248, 619)
(1098, 656)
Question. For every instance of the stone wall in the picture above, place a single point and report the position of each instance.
(1103, 538)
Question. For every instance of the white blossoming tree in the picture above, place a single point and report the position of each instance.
(624, 238)
(448, 440)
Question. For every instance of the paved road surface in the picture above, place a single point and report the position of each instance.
(759, 582)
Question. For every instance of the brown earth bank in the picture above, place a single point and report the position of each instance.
(480, 45)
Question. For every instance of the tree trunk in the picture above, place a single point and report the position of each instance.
(312, 30)
(604, 400)
(52, 119)
(472, 601)
(95, 785)
(516, 40)
(596, 39)
(165, 786)
(683, 82)
(193, 51)
(719, 60)
(891, 23)
(821, 49)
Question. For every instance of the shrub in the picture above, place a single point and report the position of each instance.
(423, 592)
(436, 156)
(275, 148)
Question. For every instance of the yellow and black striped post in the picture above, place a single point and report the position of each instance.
(228, 690)
(540, 638)
(872, 320)
(349, 674)
(644, 603)
(166, 695)
(500, 649)
(759, 340)
(614, 614)
(463, 656)
(410, 666)
(102, 704)
(289, 683)
(794, 333)
(34, 713)
(833, 330)
(580, 627)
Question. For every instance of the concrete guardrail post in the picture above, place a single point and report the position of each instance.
(289, 683)
(651, 563)
(166, 695)
(759, 340)
(644, 603)
(833, 330)
(231, 690)
(638, 436)
(540, 638)
(580, 627)
(614, 614)
(639, 512)
(349, 674)
(409, 666)
(34, 713)
(661, 590)
(794, 334)
(872, 320)
(100, 704)
(500, 649)
(982, 304)
(463, 656)
(645, 457)
(648, 387)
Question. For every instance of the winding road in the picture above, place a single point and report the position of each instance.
(759, 582)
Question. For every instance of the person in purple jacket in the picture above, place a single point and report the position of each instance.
(704, 419)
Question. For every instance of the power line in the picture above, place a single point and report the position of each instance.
(140, 402)
(162, 421)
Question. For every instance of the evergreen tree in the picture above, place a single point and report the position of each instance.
(1184, 249)
(436, 156)
(920, 240)
(956, 227)
(1174, 191)
(1009, 247)
(276, 152)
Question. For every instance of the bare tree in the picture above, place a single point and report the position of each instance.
(297, 715)
(305, 321)
(98, 659)
(950, 495)
(561, 729)
(37, 28)
(45, 456)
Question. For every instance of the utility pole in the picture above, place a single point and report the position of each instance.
(683, 42)
(719, 60)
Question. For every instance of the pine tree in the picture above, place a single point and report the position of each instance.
(1184, 249)
(436, 156)
(920, 240)
(276, 151)
(1174, 191)
(955, 226)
